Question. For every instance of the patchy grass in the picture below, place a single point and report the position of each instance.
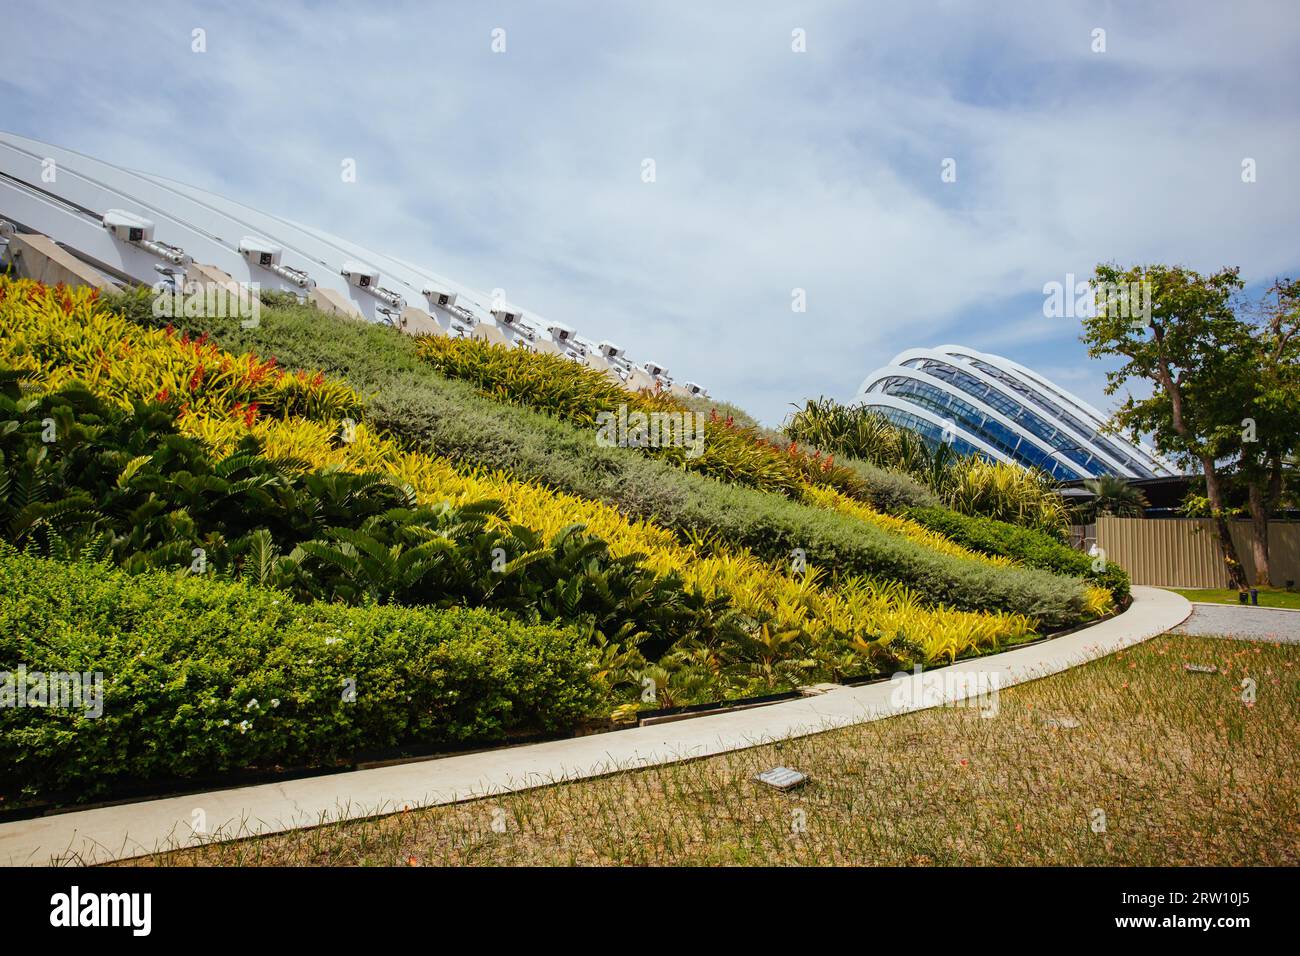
(1267, 598)
(1184, 770)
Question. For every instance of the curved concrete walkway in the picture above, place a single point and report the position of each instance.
(119, 832)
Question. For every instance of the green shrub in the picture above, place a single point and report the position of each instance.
(183, 660)
(890, 491)
(1034, 548)
(774, 527)
(1113, 578)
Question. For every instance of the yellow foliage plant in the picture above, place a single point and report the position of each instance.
(58, 336)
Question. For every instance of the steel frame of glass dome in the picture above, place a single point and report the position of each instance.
(989, 405)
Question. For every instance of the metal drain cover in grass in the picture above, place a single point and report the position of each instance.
(1201, 668)
(783, 778)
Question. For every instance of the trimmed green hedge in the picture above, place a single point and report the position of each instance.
(451, 418)
(193, 670)
(891, 491)
(1034, 548)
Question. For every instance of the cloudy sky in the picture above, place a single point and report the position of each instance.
(775, 170)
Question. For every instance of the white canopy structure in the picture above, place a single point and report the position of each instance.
(101, 223)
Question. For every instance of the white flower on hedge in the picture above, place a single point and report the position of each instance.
(275, 702)
(252, 704)
(225, 723)
(244, 725)
(332, 640)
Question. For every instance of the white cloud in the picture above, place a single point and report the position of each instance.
(775, 170)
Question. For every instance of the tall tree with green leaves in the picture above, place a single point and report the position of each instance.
(1183, 335)
(1271, 412)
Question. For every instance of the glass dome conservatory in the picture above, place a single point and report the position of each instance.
(988, 405)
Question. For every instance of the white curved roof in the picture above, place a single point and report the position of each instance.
(1041, 423)
(69, 207)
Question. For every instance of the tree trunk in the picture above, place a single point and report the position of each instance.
(1236, 575)
(1259, 534)
(1173, 387)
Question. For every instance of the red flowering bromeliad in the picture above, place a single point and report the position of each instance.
(728, 422)
(246, 413)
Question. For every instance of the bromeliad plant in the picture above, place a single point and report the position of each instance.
(61, 335)
(732, 452)
(852, 430)
(1006, 492)
(832, 614)
(427, 411)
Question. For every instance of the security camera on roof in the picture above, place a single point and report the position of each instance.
(360, 275)
(610, 350)
(260, 252)
(655, 369)
(127, 226)
(693, 388)
(439, 296)
(561, 333)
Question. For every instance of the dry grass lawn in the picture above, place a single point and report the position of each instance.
(1164, 767)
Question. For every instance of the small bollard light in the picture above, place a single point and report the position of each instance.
(1254, 596)
(1242, 597)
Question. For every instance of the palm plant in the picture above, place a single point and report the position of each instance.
(773, 657)
(1006, 492)
(1112, 495)
(969, 484)
(852, 430)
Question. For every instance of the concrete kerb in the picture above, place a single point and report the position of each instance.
(118, 832)
(1245, 607)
